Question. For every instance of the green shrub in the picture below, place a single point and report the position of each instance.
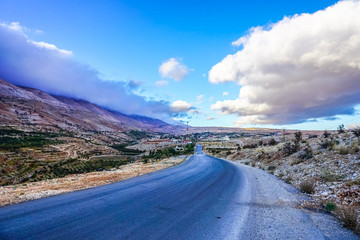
(169, 152)
(330, 207)
(137, 134)
(126, 151)
(331, 177)
(271, 168)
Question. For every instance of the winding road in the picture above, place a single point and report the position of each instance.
(202, 198)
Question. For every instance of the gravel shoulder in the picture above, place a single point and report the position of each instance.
(276, 212)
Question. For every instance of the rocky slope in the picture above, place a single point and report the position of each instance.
(35, 109)
(326, 168)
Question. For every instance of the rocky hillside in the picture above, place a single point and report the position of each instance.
(327, 166)
(43, 136)
(31, 108)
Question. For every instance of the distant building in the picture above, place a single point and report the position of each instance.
(177, 148)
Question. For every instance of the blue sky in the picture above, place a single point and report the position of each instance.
(129, 40)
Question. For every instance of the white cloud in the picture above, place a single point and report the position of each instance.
(177, 119)
(52, 47)
(200, 99)
(15, 26)
(225, 93)
(38, 31)
(44, 66)
(304, 66)
(180, 106)
(353, 126)
(210, 118)
(173, 69)
(161, 83)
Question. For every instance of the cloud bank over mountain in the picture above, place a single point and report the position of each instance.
(302, 67)
(51, 69)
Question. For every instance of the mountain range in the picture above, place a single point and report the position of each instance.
(26, 107)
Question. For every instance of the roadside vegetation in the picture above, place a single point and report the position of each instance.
(35, 164)
(324, 165)
(30, 156)
(32, 170)
(126, 151)
(12, 140)
(138, 135)
(168, 152)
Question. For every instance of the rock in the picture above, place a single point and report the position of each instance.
(324, 194)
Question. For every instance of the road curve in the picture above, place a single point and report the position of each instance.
(202, 198)
(194, 200)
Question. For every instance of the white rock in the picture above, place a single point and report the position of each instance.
(324, 194)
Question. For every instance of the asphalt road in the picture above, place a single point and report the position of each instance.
(203, 198)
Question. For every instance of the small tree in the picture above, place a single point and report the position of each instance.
(341, 128)
(326, 134)
(298, 138)
(356, 132)
(288, 148)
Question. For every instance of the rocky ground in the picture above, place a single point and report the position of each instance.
(325, 168)
(28, 191)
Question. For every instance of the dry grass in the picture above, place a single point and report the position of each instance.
(343, 150)
(307, 186)
(349, 217)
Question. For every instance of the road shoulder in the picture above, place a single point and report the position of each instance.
(276, 212)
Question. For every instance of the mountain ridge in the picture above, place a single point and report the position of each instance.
(32, 108)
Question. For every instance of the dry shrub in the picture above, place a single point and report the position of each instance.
(354, 147)
(288, 179)
(349, 217)
(280, 175)
(307, 186)
(353, 182)
(343, 150)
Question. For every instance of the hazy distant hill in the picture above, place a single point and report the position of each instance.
(28, 107)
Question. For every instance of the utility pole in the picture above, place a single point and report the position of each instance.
(187, 130)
